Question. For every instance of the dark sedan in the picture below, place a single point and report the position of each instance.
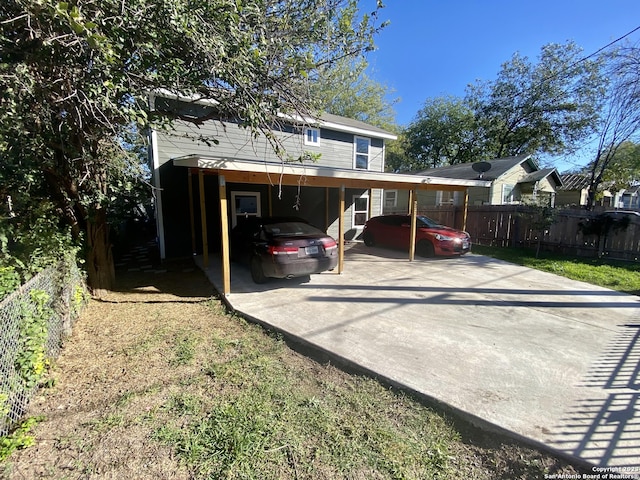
(431, 237)
(279, 247)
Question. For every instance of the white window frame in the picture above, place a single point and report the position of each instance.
(356, 153)
(394, 202)
(234, 213)
(452, 197)
(354, 212)
(312, 136)
(505, 200)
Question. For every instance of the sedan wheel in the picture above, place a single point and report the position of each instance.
(425, 248)
(368, 239)
(256, 271)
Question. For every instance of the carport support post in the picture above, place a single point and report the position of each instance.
(203, 221)
(341, 231)
(414, 223)
(224, 222)
(466, 209)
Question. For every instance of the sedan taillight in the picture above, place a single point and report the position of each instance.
(329, 243)
(281, 250)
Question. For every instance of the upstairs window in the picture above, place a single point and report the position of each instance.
(312, 136)
(361, 153)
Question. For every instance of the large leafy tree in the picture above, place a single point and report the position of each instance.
(544, 107)
(443, 132)
(345, 89)
(74, 79)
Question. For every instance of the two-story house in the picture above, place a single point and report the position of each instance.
(330, 172)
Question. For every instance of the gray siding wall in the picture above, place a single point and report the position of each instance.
(336, 148)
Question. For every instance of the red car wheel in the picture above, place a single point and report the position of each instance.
(425, 248)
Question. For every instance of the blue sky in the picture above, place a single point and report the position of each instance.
(434, 48)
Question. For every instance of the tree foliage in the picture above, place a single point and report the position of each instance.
(549, 106)
(619, 121)
(74, 80)
(602, 226)
(623, 170)
(544, 107)
(345, 89)
(444, 132)
(397, 159)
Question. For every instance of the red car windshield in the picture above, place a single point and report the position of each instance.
(427, 222)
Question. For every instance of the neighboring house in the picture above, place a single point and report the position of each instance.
(574, 192)
(628, 198)
(203, 188)
(513, 180)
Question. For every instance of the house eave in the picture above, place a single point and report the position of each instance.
(319, 122)
(357, 131)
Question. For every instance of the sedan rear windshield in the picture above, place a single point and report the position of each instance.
(290, 229)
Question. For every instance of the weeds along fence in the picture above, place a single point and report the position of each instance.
(517, 226)
(34, 320)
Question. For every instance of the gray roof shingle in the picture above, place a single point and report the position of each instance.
(465, 171)
(540, 175)
(574, 181)
(350, 122)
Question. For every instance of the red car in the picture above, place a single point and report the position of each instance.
(431, 238)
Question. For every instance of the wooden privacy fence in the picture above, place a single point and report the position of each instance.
(515, 226)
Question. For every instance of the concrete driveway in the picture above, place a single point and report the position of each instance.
(546, 358)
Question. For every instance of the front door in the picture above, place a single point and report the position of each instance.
(243, 205)
(360, 213)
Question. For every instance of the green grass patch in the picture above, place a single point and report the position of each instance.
(20, 437)
(184, 349)
(270, 420)
(616, 275)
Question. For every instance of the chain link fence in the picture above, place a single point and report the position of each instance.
(34, 321)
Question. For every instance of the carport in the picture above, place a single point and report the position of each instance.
(274, 174)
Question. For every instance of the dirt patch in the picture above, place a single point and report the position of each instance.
(127, 360)
(97, 370)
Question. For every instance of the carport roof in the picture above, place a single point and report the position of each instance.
(252, 171)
